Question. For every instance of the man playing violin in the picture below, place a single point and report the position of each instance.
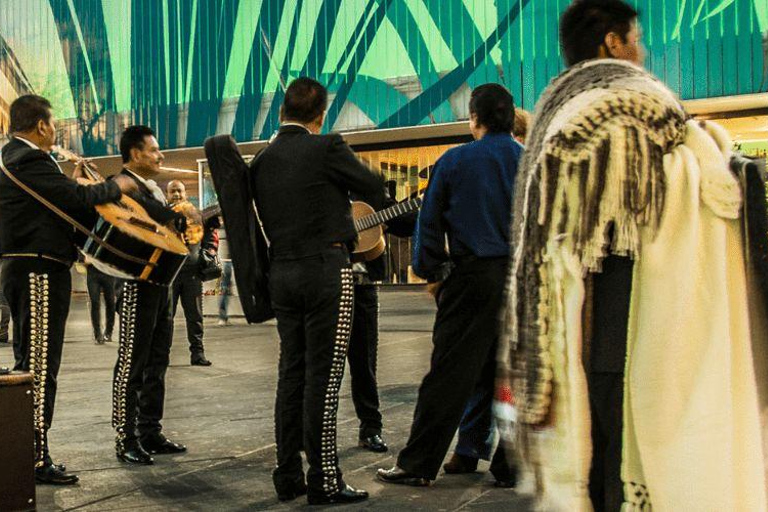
(37, 248)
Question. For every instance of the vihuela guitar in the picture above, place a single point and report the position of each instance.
(370, 241)
(126, 242)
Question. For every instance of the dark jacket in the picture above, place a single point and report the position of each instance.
(30, 228)
(468, 200)
(301, 184)
(161, 213)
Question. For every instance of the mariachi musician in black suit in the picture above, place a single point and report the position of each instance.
(146, 321)
(38, 248)
(301, 185)
(364, 339)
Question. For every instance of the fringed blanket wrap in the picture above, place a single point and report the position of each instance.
(612, 146)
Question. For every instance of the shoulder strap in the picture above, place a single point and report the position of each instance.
(67, 218)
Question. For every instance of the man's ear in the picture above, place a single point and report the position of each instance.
(41, 127)
(280, 115)
(612, 43)
(321, 120)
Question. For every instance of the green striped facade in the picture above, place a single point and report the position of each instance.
(192, 68)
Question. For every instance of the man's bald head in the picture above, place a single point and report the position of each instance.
(176, 192)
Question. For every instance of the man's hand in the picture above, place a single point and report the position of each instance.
(126, 184)
(79, 172)
(434, 288)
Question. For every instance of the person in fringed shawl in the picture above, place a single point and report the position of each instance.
(630, 326)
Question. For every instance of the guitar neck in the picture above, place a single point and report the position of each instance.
(387, 214)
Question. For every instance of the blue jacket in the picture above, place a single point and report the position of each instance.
(469, 201)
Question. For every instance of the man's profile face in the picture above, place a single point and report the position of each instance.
(631, 48)
(148, 158)
(176, 192)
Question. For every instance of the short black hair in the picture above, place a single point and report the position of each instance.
(27, 110)
(305, 99)
(494, 107)
(585, 23)
(133, 137)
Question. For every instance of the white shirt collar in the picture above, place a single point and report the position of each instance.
(27, 142)
(289, 123)
(151, 185)
(35, 146)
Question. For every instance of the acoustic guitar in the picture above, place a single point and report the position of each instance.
(370, 235)
(126, 242)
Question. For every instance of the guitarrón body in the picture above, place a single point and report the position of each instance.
(126, 242)
(157, 253)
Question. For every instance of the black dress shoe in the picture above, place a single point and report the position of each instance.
(200, 361)
(162, 446)
(398, 475)
(52, 475)
(346, 495)
(373, 443)
(292, 493)
(134, 453)
(460, 464)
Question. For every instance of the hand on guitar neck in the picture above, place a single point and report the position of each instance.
(86, 172)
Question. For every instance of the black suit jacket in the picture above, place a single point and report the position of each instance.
(29, 227)
(161, 213)
(301, 185)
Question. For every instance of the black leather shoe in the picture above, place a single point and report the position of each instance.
(398, 475)
(373, 444)
(162, 446)
(460, 464)
(292, 494)
(107, 338)
(52, 475)
(200, 361)
(346, 495)
(134, 453)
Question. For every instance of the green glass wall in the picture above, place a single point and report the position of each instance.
(191, 68)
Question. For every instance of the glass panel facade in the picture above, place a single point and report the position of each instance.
(192, 68)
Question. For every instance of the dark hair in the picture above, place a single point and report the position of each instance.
(27, 110)
(585, 23)
(494, 107)
(305, 99)
(133, 137)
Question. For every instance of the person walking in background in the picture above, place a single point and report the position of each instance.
(469, 201)
(225, 287)
(187, 286)
(100, 284)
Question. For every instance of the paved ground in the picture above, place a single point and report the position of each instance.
(224, 415)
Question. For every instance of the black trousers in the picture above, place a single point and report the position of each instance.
(466, 330)
(38, 293)
(138, 387)
(100, 283)
(189, 288)
(313, 301)
(606, 396)
(363, 348)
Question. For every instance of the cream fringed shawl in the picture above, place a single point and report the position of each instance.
(692, 438)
